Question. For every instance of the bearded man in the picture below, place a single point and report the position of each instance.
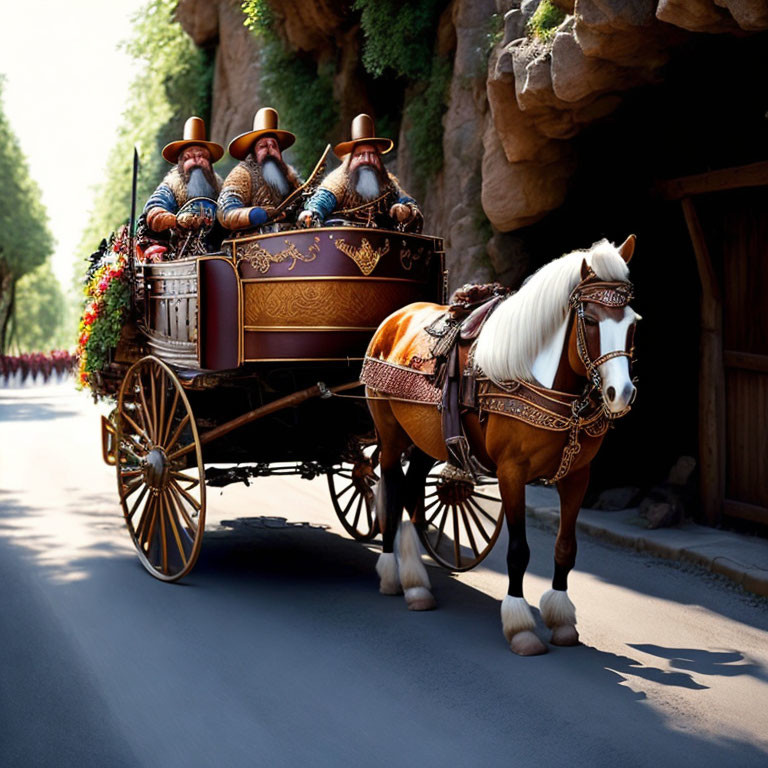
(255, 187)
(361, 190)
(193, 176)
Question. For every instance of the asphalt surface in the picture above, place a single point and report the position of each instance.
(277, 650)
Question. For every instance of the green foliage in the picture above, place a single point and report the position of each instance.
(174, 83)
(25, 241)
(105, 333)
(302, 92)
(258, 15)
(40, 312)
(398, 35)
(545, 20)
(425, 115)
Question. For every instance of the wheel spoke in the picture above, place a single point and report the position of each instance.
(191, 499)
(171, 413)
(485, 496)
(174, 529)
(161, 416)
(193, 481)
(130, 488)
(183, 423)
(147, 515)
(139, 431)
(145, 410)
(137, 502)
(180, 505)
(468, 529)
(153, 398)
(441, 528)
(456, 542)
(358, 510)
(483, 512)
(341, 493)
(480, 526)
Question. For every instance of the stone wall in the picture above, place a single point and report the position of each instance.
(508, 149)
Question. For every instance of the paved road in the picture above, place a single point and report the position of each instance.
(278, 651)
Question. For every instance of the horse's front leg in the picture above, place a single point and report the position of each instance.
(557, 610)
(516, 618)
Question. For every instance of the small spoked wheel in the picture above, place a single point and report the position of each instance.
(160, 473)
(353, 493)
(461, 522)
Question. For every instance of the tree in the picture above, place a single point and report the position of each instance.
(25, 240)
(40, 313)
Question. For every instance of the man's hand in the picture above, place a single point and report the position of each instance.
(308, 219)
(400, 212)
(159, 220)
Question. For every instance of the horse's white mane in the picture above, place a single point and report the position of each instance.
(515, 333)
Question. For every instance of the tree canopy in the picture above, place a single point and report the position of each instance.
(25, 240)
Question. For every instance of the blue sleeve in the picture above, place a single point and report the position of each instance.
(229, 200)
(322, 203)
(163, 198)
(405, 199)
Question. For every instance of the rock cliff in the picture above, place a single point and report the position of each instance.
(515, 101)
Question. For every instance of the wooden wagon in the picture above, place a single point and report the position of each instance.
(246, 358)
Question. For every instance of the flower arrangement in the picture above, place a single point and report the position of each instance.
(105, 309)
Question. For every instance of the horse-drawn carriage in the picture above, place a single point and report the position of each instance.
(245, 363)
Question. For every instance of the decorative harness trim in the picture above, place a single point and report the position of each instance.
(562, 411)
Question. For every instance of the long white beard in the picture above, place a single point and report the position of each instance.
(274, 176)
(199, 186)
(368, 186)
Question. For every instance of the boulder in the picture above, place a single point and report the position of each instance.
(515, 195)
(509, 258)
(614, 499)
(200, 20)
(695, 15)
(751, 15)
(576, 76)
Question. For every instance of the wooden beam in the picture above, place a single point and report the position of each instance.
(745, 361)
(711, 376)
(753, 175)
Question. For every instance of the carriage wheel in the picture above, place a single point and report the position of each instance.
(160, 473)
(352, 487)
(461, 522)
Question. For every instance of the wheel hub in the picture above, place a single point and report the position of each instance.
(454, 492)
(156, 469)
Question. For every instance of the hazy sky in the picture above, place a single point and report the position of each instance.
(65, 89)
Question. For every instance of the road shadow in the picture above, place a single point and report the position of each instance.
(267, 593)
(15, 409)
(715, 663)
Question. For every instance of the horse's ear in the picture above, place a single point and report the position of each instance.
(585, 271)
(627, 248)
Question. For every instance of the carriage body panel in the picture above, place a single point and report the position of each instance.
(301, 296)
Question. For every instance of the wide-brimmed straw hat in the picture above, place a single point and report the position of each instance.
(363, 132)
(194, 134)
(264, 122)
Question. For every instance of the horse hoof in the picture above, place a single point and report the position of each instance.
(525, 643)
(565, 634)
(420, 599)
(388, 589)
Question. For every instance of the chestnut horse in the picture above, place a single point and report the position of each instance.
(568, 331)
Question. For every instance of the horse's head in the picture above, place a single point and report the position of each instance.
(602, 333)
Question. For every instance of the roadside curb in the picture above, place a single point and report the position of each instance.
(742, 559)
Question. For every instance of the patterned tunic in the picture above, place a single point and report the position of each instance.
(336, 195)
(245, 188)
(170, 195)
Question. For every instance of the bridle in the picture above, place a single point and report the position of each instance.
(609, 294)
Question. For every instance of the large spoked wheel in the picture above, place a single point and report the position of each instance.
(353, 493)
(160, 473)
(461, 522)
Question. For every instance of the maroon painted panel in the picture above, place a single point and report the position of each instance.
(303, 345)
(219, 310)
(338, 252)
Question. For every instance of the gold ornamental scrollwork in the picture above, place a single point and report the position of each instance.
(261, 259)
(365, 256)
(408, 257)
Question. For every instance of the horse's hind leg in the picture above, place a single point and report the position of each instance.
(393, 440)
(557, 610)
(516, 618)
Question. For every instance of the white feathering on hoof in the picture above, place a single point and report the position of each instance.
(412, 570)
(386, 567)
(557, 610)
(516, 616)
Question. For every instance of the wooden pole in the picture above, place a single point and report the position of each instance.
(711, 376)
